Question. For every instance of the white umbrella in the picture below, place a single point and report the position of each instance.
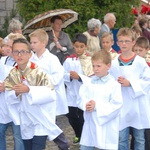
(44, 20)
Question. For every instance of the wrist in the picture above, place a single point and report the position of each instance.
(57, 42)
(63, 49)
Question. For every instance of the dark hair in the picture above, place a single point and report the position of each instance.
(80, 37)
(24, 41)
(142, 22)
(56, 17)
(142, 42)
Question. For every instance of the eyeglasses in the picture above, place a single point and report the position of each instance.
(126, 42)
(22, 52)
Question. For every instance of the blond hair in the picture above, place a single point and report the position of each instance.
(102, 55)
(14, 36)
(107, 34)
(2, 42)
(126, 32)
(40, 34)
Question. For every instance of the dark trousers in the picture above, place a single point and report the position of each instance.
(75, 117)
(147, 139)
(37, 143)
(60, 140)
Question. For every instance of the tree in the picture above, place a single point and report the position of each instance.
(87, 9)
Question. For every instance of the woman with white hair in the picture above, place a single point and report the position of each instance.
(15, 26)
(93, 43)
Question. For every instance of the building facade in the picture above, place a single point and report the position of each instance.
(6, 7)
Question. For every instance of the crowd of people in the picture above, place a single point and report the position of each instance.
(103, 93)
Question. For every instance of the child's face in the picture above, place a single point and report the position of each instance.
(79, 48)
(148, 24)
(4, 50)
(125, 43)
(140, 51)
(107, 43)
(21, 54)
(36, 44)
(9, 47)
(100, 69)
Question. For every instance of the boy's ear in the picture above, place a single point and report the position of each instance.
(30, 55)
(109, 65)
(45, 43)
(86, 46)
(112, 43)
(133, 42)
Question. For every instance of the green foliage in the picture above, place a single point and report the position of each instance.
(87, 9)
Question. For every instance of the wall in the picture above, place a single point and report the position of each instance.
(6, 7)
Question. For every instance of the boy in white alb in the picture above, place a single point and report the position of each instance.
(77, 67)
(30, 96)
(133, 74)
(10, 62)
(4, 117)
(107, 42)
(51, 65)
(101, 101)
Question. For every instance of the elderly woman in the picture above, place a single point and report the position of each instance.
(15, 26)
(93, 43)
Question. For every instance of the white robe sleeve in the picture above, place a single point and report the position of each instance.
(107, 107)
(142, 85)
(107, 111)
(57, 72)
(67, 69)
(41, 95)
(13, 104)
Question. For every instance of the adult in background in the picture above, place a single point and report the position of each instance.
(143, 24)
(109, 23)
(15, 26)
(59, 42)
(93, 42)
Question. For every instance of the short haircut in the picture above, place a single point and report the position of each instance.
(14, 36)
(55, 18)
(92, 23)
(136, 28)
(142, 42)
(108, 34)
(23, 41)
(142, 22)
(2, 42)
(14, 25)
(40, 34)
(108, 17)
(102, 55)
(80, 37)
(126, 32)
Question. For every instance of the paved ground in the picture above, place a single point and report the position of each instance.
(50, 145)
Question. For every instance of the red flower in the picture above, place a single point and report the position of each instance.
(144, 9)
(134, 11)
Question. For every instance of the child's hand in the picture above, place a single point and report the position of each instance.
(123, 81)
(2, 87)
(74, 75)
(21, 88)
(90, 105)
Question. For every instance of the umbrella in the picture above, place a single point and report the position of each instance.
(44, 20)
